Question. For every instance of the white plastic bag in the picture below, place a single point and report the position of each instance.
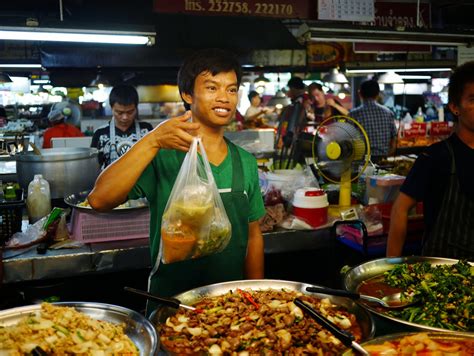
(194, 222)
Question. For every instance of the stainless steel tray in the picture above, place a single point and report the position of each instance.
(194, 295)
(359, 274)
(437, 336)
(74, 200)
(138, 328)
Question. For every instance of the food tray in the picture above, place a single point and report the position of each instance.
(192, 296)
(137, 327)
(90, 226)
(432, 335)
(359, 274)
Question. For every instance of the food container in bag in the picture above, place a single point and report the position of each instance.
(311, 205)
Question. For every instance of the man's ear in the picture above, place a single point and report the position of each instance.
(454, 108)
(187, 98)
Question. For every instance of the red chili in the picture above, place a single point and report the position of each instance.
(248, 297)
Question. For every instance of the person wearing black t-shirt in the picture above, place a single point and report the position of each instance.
(124, 130)
(442, 177)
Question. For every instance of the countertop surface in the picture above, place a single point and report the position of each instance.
(104, 257)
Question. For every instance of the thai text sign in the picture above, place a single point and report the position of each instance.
(266, 8)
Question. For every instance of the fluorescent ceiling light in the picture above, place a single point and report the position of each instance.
(390, 78)
(41, 81)
(318, 31)
(404, 70)
(20, 65)
(75, 35)
(415, 76)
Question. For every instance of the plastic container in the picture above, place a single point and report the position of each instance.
(311, 205)
(383, 189)
(118, 225)
(38, 201)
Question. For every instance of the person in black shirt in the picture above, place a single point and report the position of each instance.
(123, 130)
(442, 178)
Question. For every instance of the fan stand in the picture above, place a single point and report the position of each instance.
(345, 189)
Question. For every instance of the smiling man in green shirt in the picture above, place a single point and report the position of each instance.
(208, 82)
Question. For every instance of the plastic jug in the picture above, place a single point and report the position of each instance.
(38, 201)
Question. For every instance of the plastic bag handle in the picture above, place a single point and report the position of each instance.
(205, 160)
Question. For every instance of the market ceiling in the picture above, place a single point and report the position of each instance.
(177, 34)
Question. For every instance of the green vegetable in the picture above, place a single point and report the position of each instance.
(445, 293)
(61, 329)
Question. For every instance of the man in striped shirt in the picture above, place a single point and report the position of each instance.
(377, 120)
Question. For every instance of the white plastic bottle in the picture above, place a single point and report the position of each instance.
(38, 201)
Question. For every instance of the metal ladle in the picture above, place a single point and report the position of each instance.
(170, 302)
(391, 301)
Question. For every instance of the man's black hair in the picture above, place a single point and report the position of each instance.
(253, 94)
(3, 112)
(313, 86)
(296, 83)
(369, 89)
(462, 75)
(211, 60)
(123, 95)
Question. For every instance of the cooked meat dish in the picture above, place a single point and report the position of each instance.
(249, 322)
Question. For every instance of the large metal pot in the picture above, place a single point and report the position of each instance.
(68, 170)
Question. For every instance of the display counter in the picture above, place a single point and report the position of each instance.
(107, 257)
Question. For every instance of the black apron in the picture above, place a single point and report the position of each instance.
(170, 279)
(453, 231)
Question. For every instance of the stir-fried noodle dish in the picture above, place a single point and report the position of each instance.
(265, 322)
(57, 330)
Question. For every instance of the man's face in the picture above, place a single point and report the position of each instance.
(214, 100)
(465, 109)
(319, 98)
(124, 114)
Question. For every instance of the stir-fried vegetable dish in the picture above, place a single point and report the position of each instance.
(57, 330)
(247, 322)
(423, 344)
(445, 294)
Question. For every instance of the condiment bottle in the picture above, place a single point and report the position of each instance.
(38, 202)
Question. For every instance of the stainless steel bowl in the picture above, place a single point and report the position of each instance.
(192, 296)
(137, 327)
(359, 274)
(436, 336)
(73, 200)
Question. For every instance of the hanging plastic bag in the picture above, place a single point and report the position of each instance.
(194, 222)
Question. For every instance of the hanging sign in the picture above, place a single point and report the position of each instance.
(397, 16)
(325, 54)
(262, 8)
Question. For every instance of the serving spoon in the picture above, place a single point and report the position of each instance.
(391, 301)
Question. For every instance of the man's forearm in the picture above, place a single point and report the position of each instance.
(116, 181)
(397, 233)
(254, 261)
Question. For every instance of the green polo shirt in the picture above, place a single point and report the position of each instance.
(158, 179)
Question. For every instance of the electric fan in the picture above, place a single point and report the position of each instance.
(340, 147)
(71, 110)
